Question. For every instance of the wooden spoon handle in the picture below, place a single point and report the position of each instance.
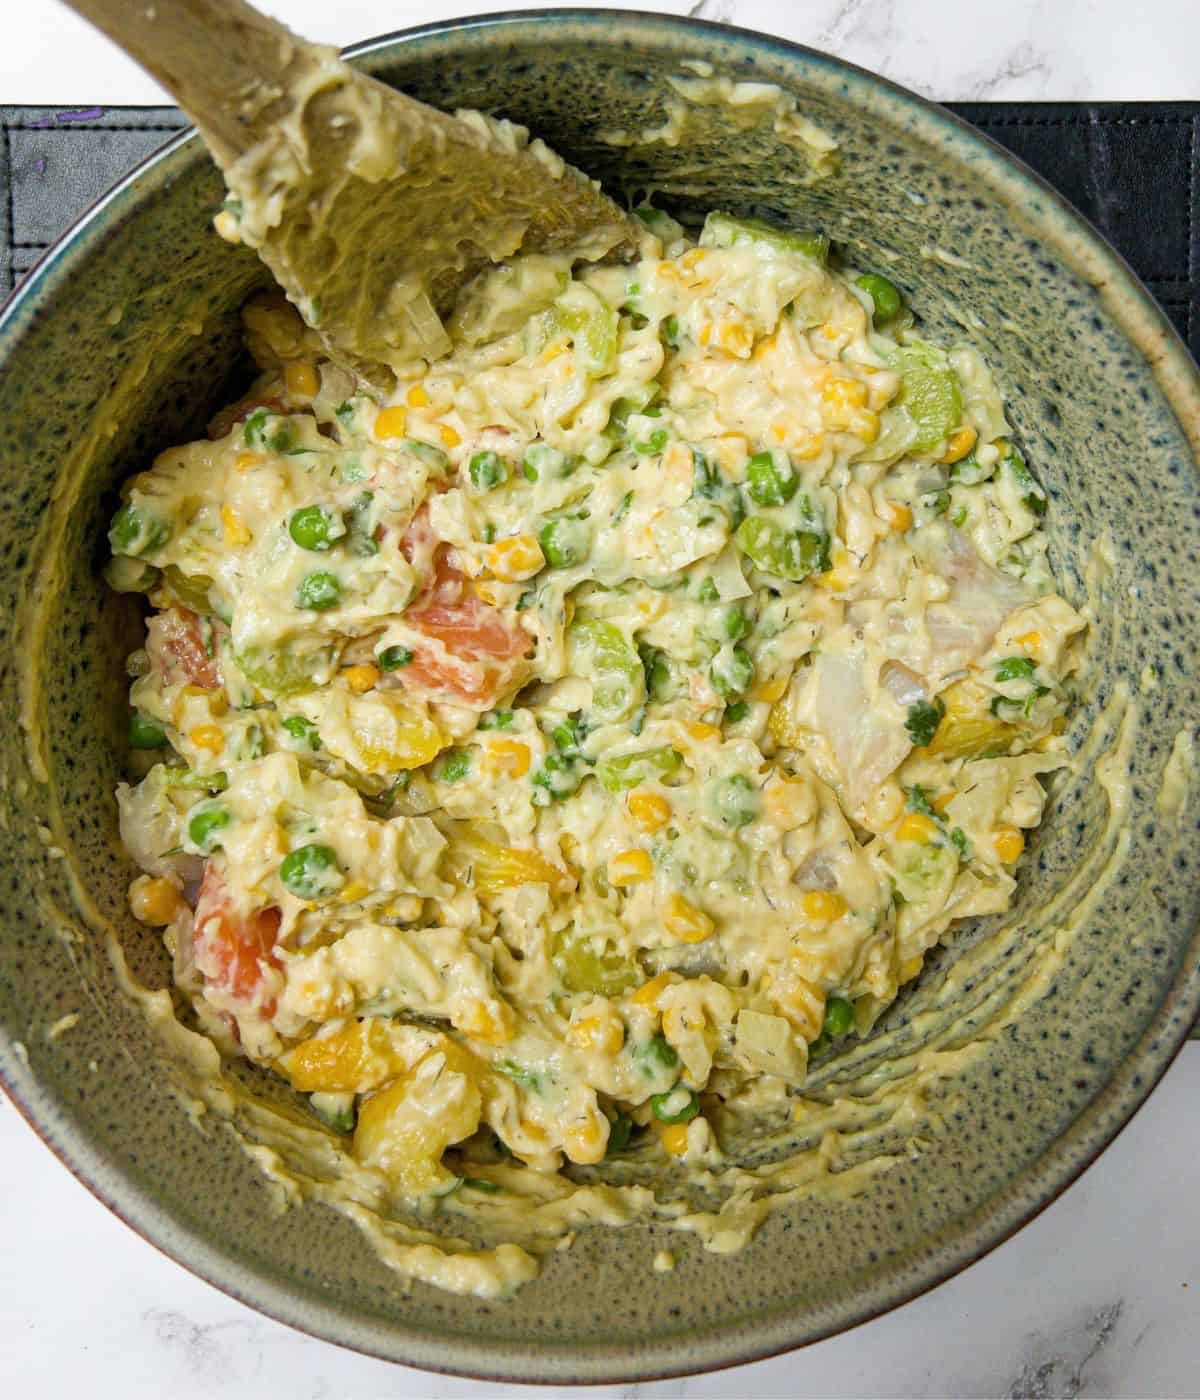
(224, 62)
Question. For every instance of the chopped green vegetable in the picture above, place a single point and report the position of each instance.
(707, 592)
(732, 671)
(656, 1056)
(654, 443)
(145, 733)
(789, 554)
(724, 231)
(734, 800)
(736, 712)
(923, 720)
(586, 964)
(1032, 495)
(496, 719)
(360, 528)
(930, 392)
(304, 731)
(632, 769)
(454, 766)
(1015, 668)
(620, 1129)
(433, 457)
(668, 332)
(917, 800)
(839, 1016)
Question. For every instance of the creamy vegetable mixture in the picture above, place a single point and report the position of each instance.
(563, 747)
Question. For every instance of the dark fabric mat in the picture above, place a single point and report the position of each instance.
(1130, 167)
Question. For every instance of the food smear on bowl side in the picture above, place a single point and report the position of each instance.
(542, 762)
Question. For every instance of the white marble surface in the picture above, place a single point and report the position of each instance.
(1097, 1297)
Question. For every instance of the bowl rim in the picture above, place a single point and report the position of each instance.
(1132, 308)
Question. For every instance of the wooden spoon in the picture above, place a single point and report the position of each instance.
(372, 210)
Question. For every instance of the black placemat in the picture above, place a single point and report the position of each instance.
(1130, 167)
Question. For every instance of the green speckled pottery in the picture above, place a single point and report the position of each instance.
(124, 340)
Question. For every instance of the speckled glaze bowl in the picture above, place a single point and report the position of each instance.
(124, 340)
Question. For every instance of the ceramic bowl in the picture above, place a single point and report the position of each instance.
(124, 339)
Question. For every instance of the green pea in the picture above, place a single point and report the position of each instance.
(487, 471)
(497, 719)
(564, 542)
(136, 530)
(556, 779)
(393, 658)
(315, 527)
(736, 712)
(735, 624)
(543, 460)
(312, 872)
(568, 736)
(770, 479)
(885, 295)
(203, 826)
(732, 671)
(145, 733)
(839, 1016)
(455, 766)
(677, 1105)
(303, 731)
(735, 801)
(319, 591)
(790, 554)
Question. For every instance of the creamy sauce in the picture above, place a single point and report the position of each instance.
(543, 756)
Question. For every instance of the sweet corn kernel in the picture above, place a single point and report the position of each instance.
(629, 868)
(1031, 644)
(801, 1003)
(911, 967)
(600, 1032)
(417, 397)
(507, 756)
(765, 347)
(959, 444)
(361, 678)
(391, 422)
(841, 575)
(153, 901)
(586, 1139)
(218, 704)
(236, 529)
(227, 227)
(684, 921)
(736, 336)
(650, 811)
(674, 1138)
(515, 558)
(448, 435)
(789, 803)
(649, 992)
(769, 690)
(207, 736)
(493, 1022)
(822, 906)
(705, 333)
(782, 728)
(805, 446)
(702, 732)
(669, 272)
(489, 591)
(1009, 842)
(353, 892)
(901, 516)
(916, 826)
(864, 424)
(691, 260)
(839, 397)
(245, 460)
(942, 801)
(301, 379)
